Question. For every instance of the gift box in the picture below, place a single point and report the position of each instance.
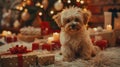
(112, 17)
(52, 46)
(10, 39)
(35, 46)
(106, 35)
(102, 44)
(56, 45)
(46, 59)
(46, 47)
(18, 60)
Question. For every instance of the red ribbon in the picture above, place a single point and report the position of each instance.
(20, 60)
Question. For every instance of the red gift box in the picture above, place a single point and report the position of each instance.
(47, 47)
(8, 39)
(14, 38)
(53, 46)
(101, 43)
(35, 46)
(56, 45)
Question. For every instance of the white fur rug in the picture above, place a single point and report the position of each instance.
(106, 58)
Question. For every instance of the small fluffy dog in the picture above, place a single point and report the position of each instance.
(75, 39)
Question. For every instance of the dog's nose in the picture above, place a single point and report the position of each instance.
(73, 26)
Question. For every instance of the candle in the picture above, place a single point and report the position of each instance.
(109, 27)
(9, 33)
(95, 29)
(50, 40)
(4, 33)
(56, 36)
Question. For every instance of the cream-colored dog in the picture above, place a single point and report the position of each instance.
(74, 37)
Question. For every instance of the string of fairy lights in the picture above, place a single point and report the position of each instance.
(60, 4)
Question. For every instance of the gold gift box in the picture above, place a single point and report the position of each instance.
(46, 59)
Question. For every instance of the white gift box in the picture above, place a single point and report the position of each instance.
(108, 20)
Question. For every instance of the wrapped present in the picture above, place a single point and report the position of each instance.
(46, 47)
(101, 43)
(35, 46)
(9, 37)
(46, 59)
(18, 60)
(112, 17)
(52, 46)
(56, 45)
(15, 57)
(106, 35)
(26, 59)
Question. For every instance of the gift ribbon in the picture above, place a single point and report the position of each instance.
(20, 60)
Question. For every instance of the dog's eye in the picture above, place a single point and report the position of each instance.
(68, 20)
(76, 19)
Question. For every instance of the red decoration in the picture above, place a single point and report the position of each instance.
(56, 45)
(29, 2)
(35, 46)
(14, 39)
(47, 47)
(18, 49)
(20, 60)
(101, 43)
(46, 29)
(8, 39)
(78, 4)
(53, 46)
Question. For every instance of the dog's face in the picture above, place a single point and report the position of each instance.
(72, 19)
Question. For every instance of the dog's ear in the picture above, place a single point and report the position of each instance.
(86, 16)
(57, 19)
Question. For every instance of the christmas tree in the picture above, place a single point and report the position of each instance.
(44, 9)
